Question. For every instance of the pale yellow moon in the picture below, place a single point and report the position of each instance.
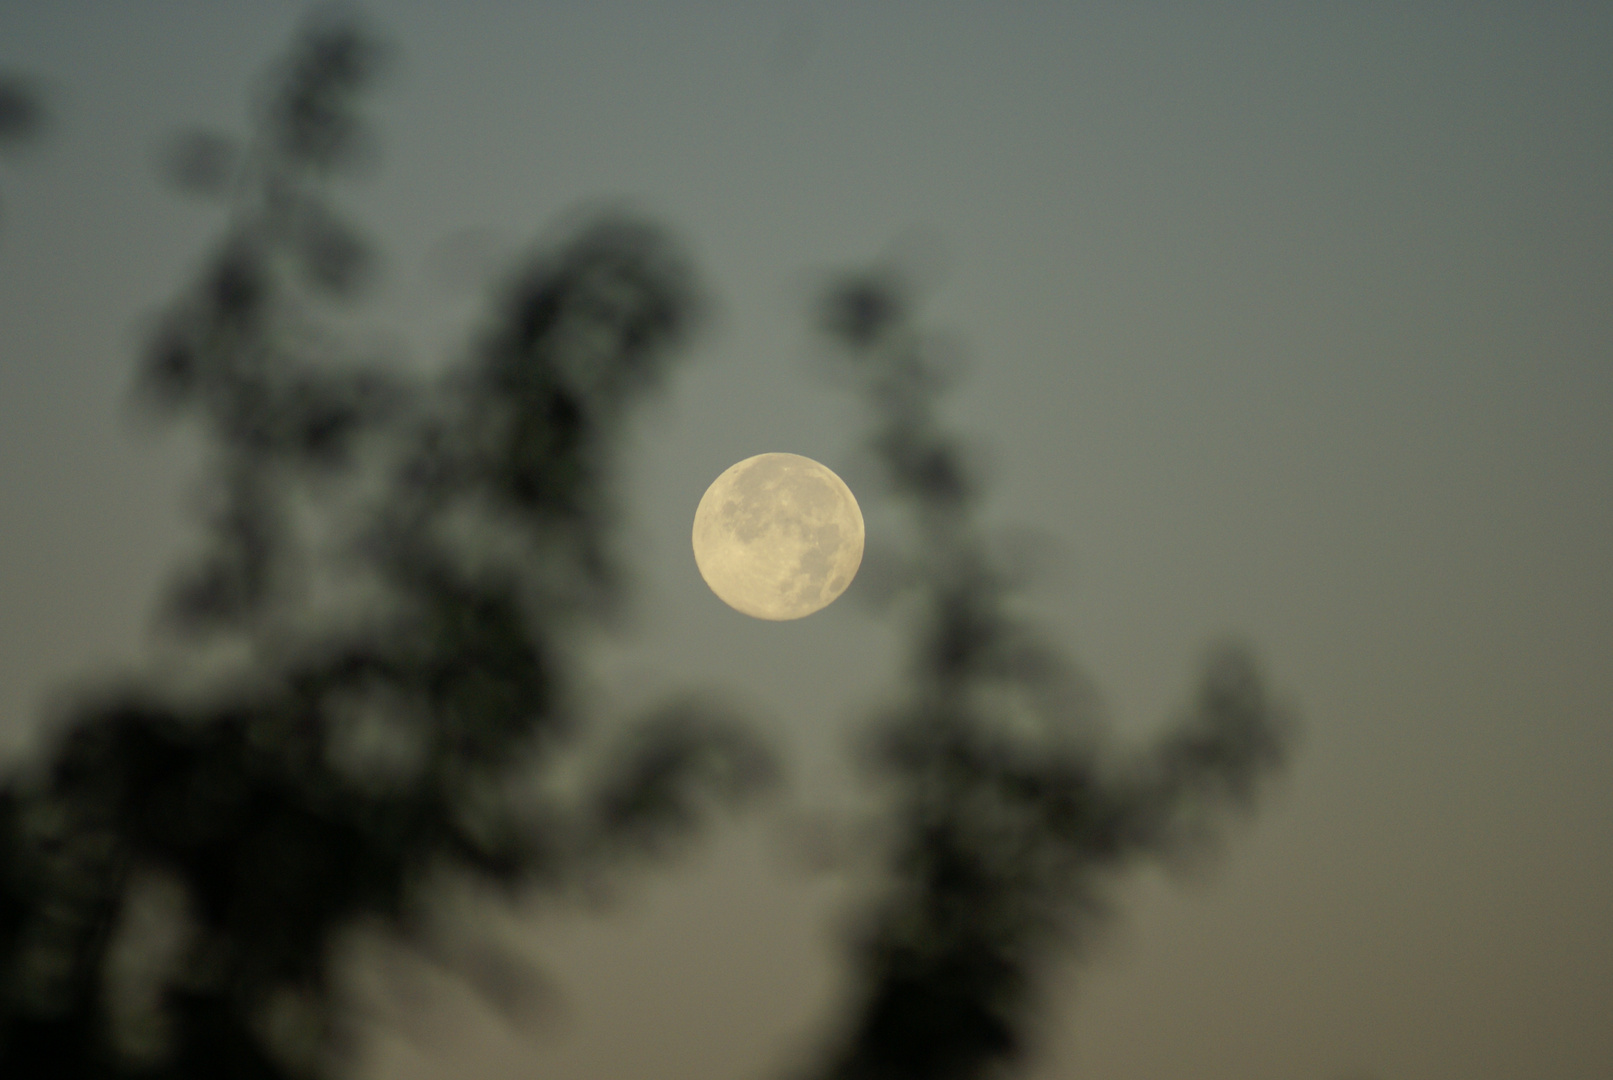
(778, 536)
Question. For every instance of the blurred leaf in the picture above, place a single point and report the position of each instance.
(669, 769)
(313, 115)
(22, 113)
(335, 260)
(202, 163)
(860, 309)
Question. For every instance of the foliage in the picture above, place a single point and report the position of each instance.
(1007, 813)
(382, 638)
(23, 118)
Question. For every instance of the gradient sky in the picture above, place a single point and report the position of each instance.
(1286, 319)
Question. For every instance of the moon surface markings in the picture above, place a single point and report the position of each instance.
(778, 536)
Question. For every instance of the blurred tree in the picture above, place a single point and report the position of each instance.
(22, 115)
(381, 645)
(382, 637)
(1007, 814)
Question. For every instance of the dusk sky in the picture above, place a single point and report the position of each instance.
(1291, 321)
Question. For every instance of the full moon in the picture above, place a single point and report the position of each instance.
(778, 536)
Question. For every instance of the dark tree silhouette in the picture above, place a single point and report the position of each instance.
(22, 115)
(1008, 814)
(383, 632)
(382, 636)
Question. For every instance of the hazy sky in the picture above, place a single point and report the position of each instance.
(1292, 320)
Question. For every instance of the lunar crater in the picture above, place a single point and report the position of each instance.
(778, 536)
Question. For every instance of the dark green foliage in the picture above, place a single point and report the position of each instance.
(202, 163)
(23, 118)
(1008, 815)
(382, 623)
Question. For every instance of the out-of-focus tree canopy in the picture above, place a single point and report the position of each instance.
(1008, 813)
(382, 636)
(382, 632)
(22, 114)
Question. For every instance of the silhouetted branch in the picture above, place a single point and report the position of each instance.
(398, 566)
(22, 113)
(23, 118)
(1009, 818)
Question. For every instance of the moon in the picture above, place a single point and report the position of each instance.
(778, 536)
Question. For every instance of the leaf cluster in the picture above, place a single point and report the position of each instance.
(382, 637)
(381, 641)
(1007, 815)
